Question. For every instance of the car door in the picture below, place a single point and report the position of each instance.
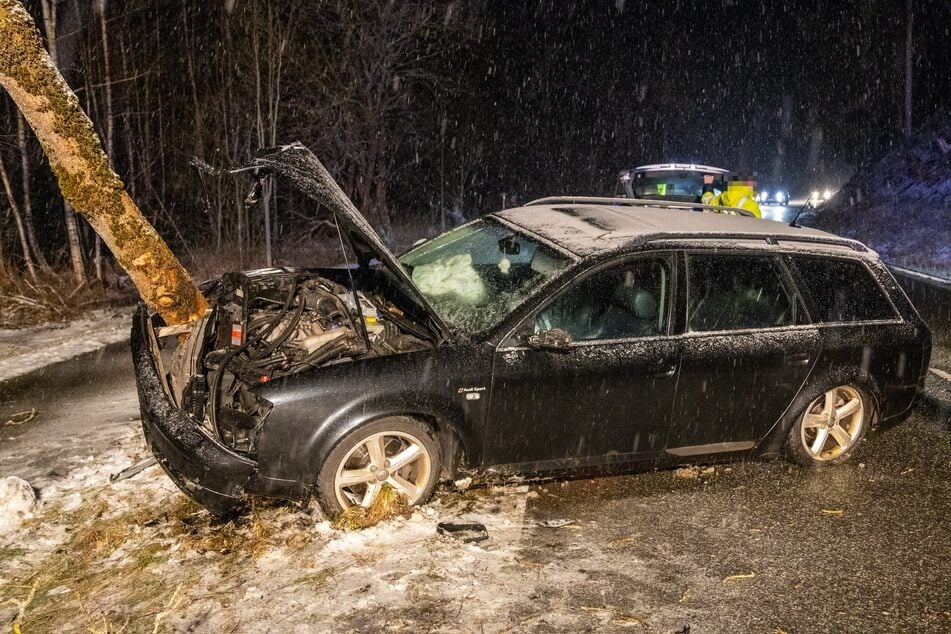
(606, 397)
(746, 353)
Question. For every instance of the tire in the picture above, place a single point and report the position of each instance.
(360, 454)
(831, 427)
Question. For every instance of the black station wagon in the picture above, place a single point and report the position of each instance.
(569, 335)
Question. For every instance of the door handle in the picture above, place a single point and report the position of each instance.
(665, 373)
(802, 358)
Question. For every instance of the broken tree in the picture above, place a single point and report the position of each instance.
(86, 179)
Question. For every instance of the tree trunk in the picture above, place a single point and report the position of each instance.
(909, 60)
(72, 230)
(24, 242)
(85, 177)
(259, 119)
(107, 80)
(27, 199)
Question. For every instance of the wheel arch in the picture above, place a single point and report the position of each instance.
(456, 441)
(772, 445)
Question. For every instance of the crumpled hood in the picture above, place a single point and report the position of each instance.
(297, 166)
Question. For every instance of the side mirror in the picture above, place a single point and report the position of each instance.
(554, 339)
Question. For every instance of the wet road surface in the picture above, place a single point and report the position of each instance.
(780, 213)
(862, 547)
(82, 406)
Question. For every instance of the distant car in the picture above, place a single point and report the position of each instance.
(678, 182)
(570, 335)
(773, 196)
(820, 197)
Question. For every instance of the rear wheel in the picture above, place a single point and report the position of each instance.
(399, 452)
(831, 427)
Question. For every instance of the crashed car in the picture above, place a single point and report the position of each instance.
(567, 336)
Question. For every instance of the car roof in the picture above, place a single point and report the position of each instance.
(586, 226)
(690, 167)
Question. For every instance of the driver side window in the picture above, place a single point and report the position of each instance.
(620, 302)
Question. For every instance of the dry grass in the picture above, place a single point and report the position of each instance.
(266, 526)
(317, 580)
(81, 575)
(54, 297)
(388, 503)
(116, 571)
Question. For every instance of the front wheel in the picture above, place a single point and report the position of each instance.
(399, 452)
(830, 428)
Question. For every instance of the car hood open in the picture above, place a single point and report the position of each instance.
(295, 165)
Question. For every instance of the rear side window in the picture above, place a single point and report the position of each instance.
(842, 290)
(734, 292)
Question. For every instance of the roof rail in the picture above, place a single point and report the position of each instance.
(638, 202)
(769, 238)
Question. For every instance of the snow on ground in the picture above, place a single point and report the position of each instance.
(101, 555)
(79, 552)
(25, 350)
(17, 499)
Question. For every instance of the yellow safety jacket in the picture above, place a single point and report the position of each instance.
(738, 196)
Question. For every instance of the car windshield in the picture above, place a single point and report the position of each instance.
(680, 185)
(477, 274)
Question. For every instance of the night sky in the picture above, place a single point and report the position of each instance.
(420, 106)
(581, 89)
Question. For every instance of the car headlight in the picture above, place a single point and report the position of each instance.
(826, 195)
(780, 197)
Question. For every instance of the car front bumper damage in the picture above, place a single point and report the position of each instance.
(203, 468)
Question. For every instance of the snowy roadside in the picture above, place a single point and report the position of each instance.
(24, 350)
(136, 554)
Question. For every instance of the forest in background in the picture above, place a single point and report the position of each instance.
(429, 113)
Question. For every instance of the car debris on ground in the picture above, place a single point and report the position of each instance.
(20, 418)
(467, 533)
(693, 472)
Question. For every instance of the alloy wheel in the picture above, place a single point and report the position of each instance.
(833, 423)
(390, 457)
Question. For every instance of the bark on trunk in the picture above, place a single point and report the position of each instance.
(82, 168)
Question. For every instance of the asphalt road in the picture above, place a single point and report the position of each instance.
(756, 546)
(766, 547)
(82, 406)
(781, 213)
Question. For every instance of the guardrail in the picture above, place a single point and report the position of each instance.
(931, 295)
(920, 275)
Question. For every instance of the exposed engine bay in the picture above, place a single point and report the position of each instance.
(268, 325)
